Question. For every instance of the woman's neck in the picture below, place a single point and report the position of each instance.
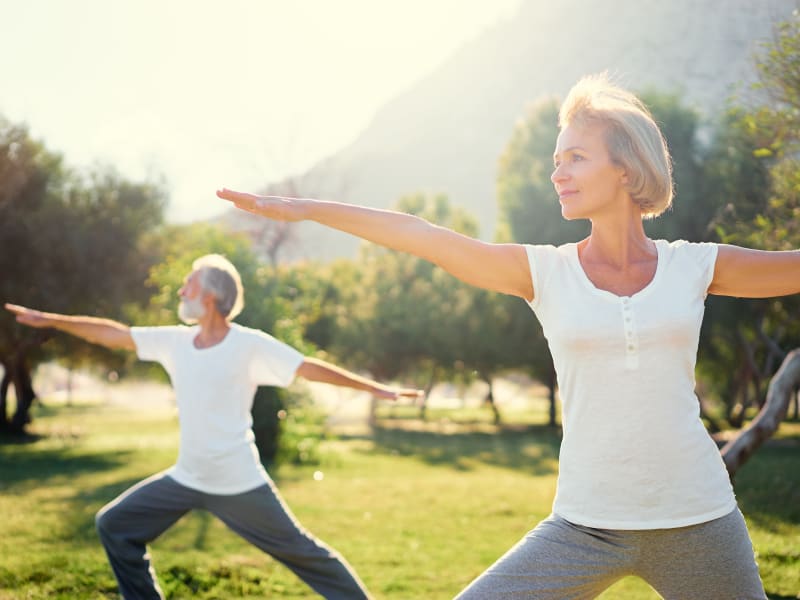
(617, 243)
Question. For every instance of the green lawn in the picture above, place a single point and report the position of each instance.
(417, 511)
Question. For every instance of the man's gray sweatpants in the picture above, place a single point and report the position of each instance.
(559, 560)
(146, 510)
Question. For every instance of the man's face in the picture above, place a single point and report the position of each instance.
(191, 307)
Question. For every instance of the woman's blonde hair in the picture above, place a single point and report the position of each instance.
(634, 141)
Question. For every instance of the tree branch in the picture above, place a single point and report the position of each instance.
(779, 395)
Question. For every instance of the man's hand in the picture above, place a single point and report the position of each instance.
(397, 393)
(104, 332)
(28, 316)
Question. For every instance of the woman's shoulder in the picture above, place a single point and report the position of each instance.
(701, 254)
(564, 249)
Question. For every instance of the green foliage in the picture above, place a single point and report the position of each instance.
(755, 165)
(529, 209)
(695, 204)
(404, 314)
(73, 244)
(288, 428)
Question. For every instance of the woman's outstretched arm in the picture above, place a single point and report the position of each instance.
(498, 267)
(747, 273)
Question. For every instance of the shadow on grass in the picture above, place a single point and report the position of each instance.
(768, 486)
(24, 464)
(83, 506)
(533, 449)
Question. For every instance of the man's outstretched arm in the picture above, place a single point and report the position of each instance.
(314, 369)
(103, 332)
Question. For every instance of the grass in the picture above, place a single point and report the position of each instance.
(418, 511)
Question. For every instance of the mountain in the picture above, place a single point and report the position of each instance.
(447, 132)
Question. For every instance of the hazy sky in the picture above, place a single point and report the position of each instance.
(235, 92)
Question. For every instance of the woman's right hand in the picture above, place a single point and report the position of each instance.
(278, 208)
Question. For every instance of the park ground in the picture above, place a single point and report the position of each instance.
(418, 508)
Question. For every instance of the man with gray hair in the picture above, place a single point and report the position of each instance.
(215, 366)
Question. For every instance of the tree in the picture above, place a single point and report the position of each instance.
(757, 165)
(781, 390)
(406, 317)
(74, 245)
(529, 209)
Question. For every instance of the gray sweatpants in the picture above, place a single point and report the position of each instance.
(559, 560)
(145, 511)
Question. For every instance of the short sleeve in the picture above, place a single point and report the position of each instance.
(540, 259)
(157, 343)
(707, 259)
(704, 256)
(271, 361)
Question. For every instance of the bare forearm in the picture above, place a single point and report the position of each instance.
(498, 267)
(392, 229)
(104, 332)
(314, 369)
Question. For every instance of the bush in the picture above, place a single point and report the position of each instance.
(287, 427)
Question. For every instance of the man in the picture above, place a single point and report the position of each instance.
(215, 366)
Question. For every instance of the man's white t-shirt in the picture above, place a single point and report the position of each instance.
(214, 389)
(635, 454)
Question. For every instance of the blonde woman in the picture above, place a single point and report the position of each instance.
(642, 489)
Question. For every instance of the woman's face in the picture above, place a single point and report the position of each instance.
(588, 184)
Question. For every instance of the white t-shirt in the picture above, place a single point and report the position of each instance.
(635, 454)
(214, 390)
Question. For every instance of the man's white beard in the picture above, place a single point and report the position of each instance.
(190, 311)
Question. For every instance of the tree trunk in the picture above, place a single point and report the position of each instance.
(490, 399)
(781, 388)
(423, 407)
(4, 384)
(23, 387)
(713, 425)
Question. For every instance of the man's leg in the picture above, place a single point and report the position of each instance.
(261, 517)
(558, 560)
(132, 520)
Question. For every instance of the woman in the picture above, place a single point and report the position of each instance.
(642, 489)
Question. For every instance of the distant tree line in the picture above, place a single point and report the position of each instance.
(96, 243)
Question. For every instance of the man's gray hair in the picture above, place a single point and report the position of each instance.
(221, 279)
